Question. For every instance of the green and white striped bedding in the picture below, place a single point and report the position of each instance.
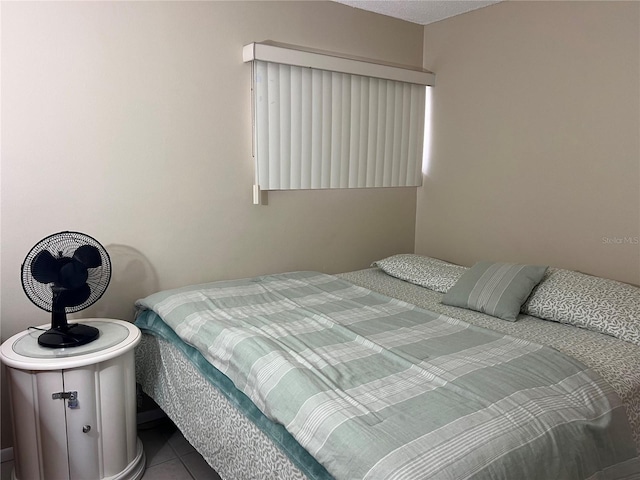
(377, 388)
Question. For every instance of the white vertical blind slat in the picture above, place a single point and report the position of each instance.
(327, 119)
(372, 143)
(286, 131)
(296, 137)
(273, 122)
(261, 123)
(396, 151)
(356, 132)
(404, 142)
(387, 164)
(322, 129)
(316, 128)
(307, 132)
(380, 134)
(363, 150)
(337, 99)
(345, 133)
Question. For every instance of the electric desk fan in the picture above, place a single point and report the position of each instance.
(65, 273)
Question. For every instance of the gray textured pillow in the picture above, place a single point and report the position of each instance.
(497, 289)
(594, 303)
(424, 271)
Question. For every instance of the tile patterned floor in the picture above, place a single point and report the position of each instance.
(169, 455)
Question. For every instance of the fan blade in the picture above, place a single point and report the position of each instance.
(74, 297)
(72, 275)
(45, 267)
(88, 255)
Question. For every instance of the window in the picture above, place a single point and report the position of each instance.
(322, 121)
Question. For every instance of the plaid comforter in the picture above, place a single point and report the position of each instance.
(376, 388)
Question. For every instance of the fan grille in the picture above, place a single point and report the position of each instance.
(65, 244)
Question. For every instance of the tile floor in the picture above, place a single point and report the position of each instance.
(169, 455)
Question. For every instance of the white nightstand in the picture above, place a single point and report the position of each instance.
(74, 409)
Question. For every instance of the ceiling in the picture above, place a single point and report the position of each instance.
(422, 12)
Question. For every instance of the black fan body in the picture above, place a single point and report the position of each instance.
(65, 273)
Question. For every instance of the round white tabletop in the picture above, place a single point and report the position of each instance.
(22, 350)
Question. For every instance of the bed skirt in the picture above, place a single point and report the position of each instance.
(233, 445)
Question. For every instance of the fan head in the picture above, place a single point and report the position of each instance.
(65, 273)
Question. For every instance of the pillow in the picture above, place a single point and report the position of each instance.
(497, 289)
(594, 303)
(424, 271)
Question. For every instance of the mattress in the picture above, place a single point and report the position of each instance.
(618, 362)
(167, 384)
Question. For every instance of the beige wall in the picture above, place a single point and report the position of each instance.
(536, 137)
(131, 122)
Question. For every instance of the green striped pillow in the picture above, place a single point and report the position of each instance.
(497, 289)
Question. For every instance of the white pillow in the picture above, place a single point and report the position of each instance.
(427, 272)
(594, 303)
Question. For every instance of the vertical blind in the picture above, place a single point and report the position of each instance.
(316, 129)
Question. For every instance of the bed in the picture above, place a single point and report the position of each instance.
(405, 370)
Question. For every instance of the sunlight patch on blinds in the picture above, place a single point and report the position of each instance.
(317, 129)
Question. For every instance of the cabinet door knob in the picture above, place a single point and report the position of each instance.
(86, 429)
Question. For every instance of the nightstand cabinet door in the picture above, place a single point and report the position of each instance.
(109, 437)
(83, 426)
(36, 419)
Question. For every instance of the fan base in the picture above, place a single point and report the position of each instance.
(71, 336)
